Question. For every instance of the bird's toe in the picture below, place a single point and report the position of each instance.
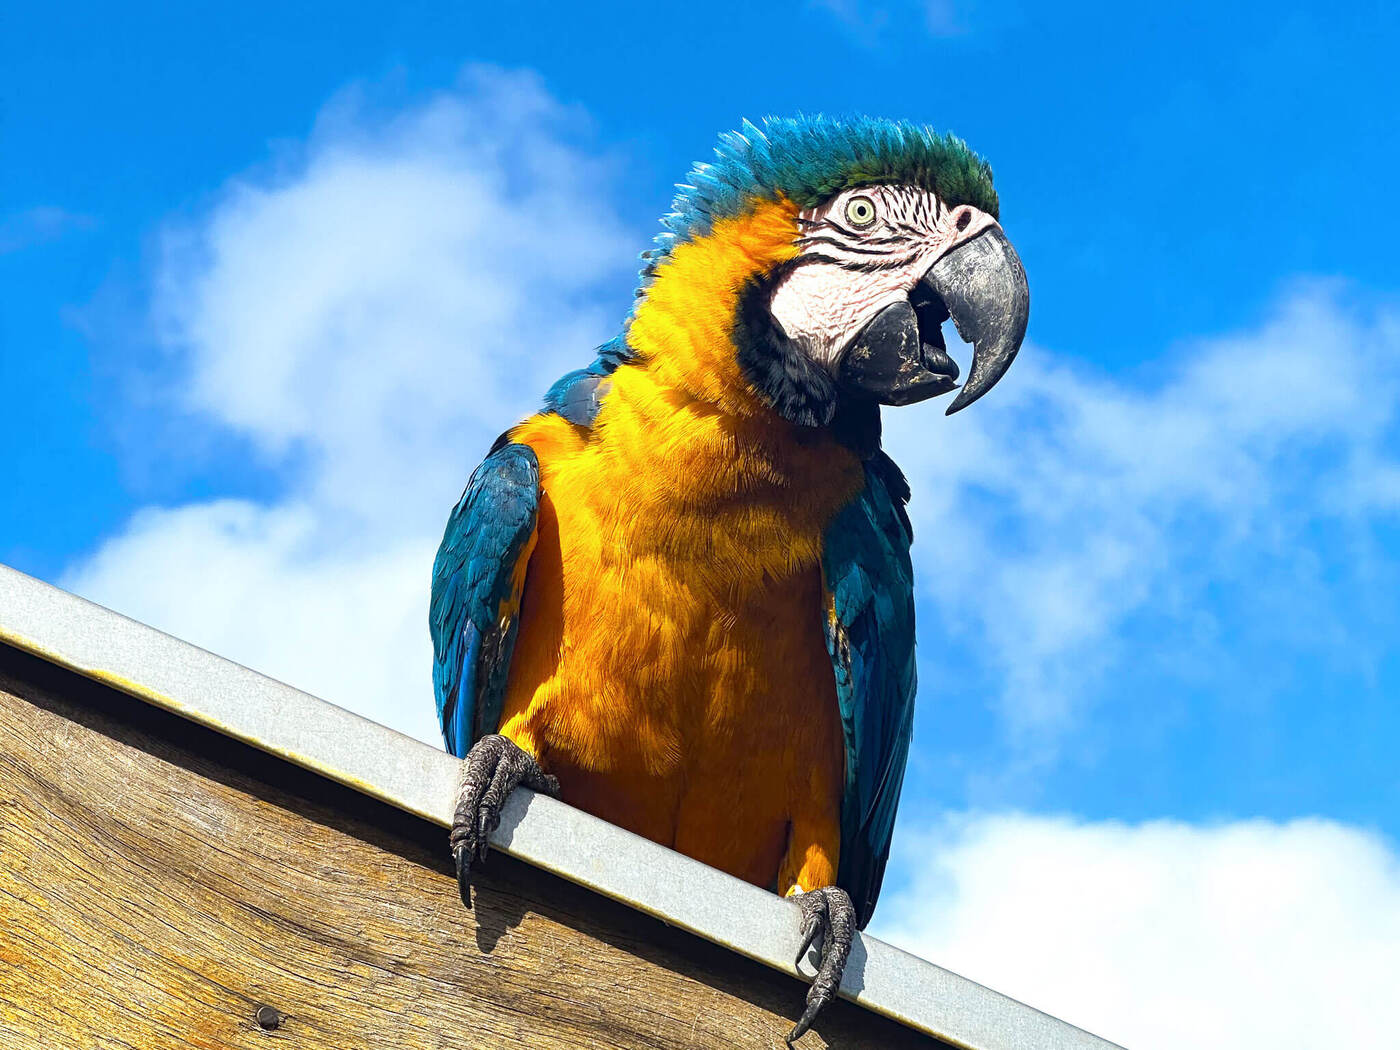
(493, 768)
(826, 913)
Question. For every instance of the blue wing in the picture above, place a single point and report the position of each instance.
(480, 567)
(477, 579)
(870, 636)
(576, 395)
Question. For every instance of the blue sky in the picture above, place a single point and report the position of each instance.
(275, 277)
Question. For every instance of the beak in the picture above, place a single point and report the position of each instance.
(900, 358)
(983, 285)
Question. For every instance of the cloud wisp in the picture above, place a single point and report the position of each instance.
(39, 225)
(368, 318)
(1070, 505)
(1243, 936)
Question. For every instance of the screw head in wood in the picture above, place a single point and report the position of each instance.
(267, 1017)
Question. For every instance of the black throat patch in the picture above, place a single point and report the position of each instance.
(791, 383)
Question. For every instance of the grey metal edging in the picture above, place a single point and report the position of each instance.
(68, 631)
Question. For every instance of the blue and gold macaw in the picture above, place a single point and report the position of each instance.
(680, 597)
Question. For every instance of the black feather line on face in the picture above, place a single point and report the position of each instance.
(791, 383)
(849, 265)
(857, 249)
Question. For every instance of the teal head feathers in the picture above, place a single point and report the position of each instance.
(809, 159)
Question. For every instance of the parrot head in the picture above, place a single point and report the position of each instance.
(846, 245)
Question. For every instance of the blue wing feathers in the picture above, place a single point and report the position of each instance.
(473, 578)
(488, 532)
(869, 579)
(577, 395)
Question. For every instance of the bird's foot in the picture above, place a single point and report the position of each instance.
(826, 913)
(493, 768)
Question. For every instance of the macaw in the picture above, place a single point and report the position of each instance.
(680, 596)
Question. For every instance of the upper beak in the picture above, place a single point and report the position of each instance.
(983, 285)
(899, 357)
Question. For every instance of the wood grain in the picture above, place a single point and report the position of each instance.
(159, 883)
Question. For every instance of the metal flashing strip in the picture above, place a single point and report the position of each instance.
(410, 775)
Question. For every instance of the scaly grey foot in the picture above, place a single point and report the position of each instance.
(493, 768)
(826, 913)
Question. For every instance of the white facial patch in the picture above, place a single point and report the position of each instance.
(860, 252)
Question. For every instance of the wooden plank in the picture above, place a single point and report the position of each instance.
(160, 883)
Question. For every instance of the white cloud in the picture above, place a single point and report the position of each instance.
(1067, 502)
(939, 18)
(1242, 936)
(260, 585)
(370, 317)
(400, 293)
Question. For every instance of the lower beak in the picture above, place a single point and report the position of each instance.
(899, 357)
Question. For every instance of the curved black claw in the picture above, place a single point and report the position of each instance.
(826, 913)
(493, 768)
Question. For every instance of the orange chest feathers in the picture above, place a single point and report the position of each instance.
(671, 628)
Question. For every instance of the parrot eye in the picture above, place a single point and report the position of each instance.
(860, 212)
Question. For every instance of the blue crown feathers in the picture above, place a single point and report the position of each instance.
(808, 159)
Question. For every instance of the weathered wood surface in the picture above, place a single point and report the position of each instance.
(159, 883)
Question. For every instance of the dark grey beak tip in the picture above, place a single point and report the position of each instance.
(983, 285)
